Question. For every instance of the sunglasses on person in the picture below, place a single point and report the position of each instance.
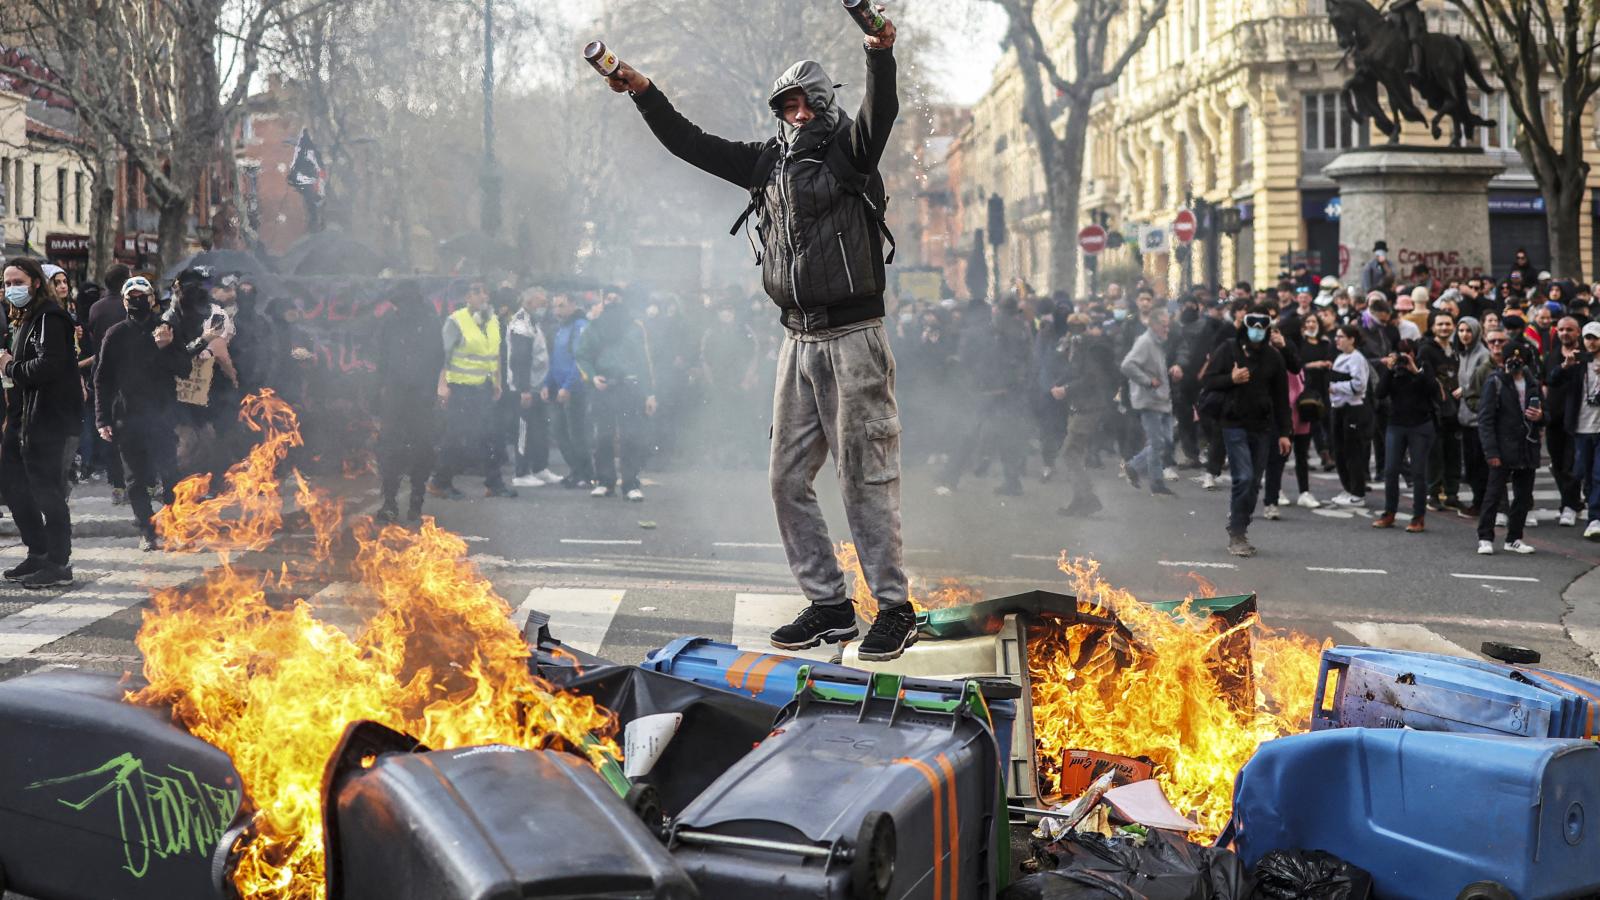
(1495, 342)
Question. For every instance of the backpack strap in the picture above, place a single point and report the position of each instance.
(859, 183)
(758, 185)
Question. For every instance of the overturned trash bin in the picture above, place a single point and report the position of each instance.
(100, 798)
(1430, 814)
(1377, 688)
(482, 823)
(870, 794)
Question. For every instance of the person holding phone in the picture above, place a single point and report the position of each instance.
(1414, 395)
(196, 331)
(44, 413)
(1510, 414)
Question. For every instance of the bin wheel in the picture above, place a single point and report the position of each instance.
(1510, 653)
(646, 804)
(872, 870)
(1485, 890)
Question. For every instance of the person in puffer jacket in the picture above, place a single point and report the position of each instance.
(819, 202)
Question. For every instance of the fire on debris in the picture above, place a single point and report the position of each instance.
(273, 686)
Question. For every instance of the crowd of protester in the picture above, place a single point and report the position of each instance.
(1427, 396)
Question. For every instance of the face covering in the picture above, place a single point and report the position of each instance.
(139, 312)
(1256, 335)
(1189, 314)
(1119, 314)
(18, 295)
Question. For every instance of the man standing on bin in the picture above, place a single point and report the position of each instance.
(820, 203)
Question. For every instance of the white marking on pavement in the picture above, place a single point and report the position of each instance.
(1189, 563)
(1337, 571)
(747, 545)
(1403, 636)
(756, 615)
(23, 632)
(579, 617)
(1040, 558)
(602, 543)
(1524, 578)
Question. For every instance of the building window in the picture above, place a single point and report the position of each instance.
(16, 185)
(1193, 13)
(61, 196)
(1244, 150)
(1329, 126)
(7, 200)
(77, 197)
(38, 190)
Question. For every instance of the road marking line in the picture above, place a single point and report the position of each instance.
(747, 545)
(1523, 578)
(756, 615)
(1347, 571)
(1188, 563)
(1042, 558)
(579, 617)
(1404, 636)
(43, 623)
(602, 543)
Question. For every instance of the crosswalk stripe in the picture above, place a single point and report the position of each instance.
(1402, 636)
(756, 615)
(23, 632)
(579, 617)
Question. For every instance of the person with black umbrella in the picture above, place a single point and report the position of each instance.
(44, 412)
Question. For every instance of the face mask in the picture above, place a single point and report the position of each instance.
(1119, 314)
(139, 312)
(1256, 335)
(18, 295)
(1189, 314)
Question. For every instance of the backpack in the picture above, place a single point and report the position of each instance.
(866, 185)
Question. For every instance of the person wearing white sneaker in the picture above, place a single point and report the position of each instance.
(1569, 517)
(1208, 481)
(636, 496)
(1350, 423)
(1517, 547)
(1592, 532)
(1486, 548)
(1270, 512)
(1509, 417)
(1170, 473)
(1582, 415)
(1307, 501)
(527, 481)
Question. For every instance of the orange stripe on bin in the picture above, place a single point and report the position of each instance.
(736, 672)
(1593, 700)
(938, 823)
(952, 820)
(756, 681)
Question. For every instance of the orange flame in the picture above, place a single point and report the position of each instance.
(948, 592)
(437, 657)
(1165, 694)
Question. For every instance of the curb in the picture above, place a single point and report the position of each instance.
(1582, 619)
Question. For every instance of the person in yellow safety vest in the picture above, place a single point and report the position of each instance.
(469, 387)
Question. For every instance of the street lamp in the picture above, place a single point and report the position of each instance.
(27, 230)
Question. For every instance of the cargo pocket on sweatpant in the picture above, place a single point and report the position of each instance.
(880, 462)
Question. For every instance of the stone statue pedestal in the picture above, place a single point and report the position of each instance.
(1430, 205)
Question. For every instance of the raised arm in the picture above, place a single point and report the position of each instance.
(732, 161)
(869, 133)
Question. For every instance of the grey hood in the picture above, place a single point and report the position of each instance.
(808, 76)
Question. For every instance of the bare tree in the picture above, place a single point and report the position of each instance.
(162, 78)
(1526, 39)
(1092, 65)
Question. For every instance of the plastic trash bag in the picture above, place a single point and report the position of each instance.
(1309, 875)
(1094, 867)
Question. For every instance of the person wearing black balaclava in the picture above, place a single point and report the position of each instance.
(1049, 413)
(819, 200)
(410, 358)
(134, 395)
(44, 412)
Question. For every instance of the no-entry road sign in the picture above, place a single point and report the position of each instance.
(1092, 239)
(1183, 227)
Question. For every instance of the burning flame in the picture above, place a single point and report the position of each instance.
(437, 656)
(948, 592)
(1188, 695)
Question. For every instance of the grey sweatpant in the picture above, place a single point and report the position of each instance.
(835, 394)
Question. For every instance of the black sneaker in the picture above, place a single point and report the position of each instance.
(446, 492)
(147, 542)
(816, 625)
(389, 513)
(1087, 505)
(414, 514)
(23, 569)
(890, 635)
(1161, 490)
(49, 575)
(499, 490)
(1133, 477)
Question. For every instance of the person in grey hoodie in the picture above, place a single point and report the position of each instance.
(1150, 379)
(1473, 365)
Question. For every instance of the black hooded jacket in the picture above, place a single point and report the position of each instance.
(822, 252)
(410, 358)
(1260, 404)
(134, 380)
(47, 393)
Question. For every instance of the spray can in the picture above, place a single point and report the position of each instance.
(866, 15)
(604, 61)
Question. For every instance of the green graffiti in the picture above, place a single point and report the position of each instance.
(160, 815)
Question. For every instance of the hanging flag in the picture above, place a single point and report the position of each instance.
(306, 173)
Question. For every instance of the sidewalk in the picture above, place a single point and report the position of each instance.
(1582, 619)
(93, 515)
